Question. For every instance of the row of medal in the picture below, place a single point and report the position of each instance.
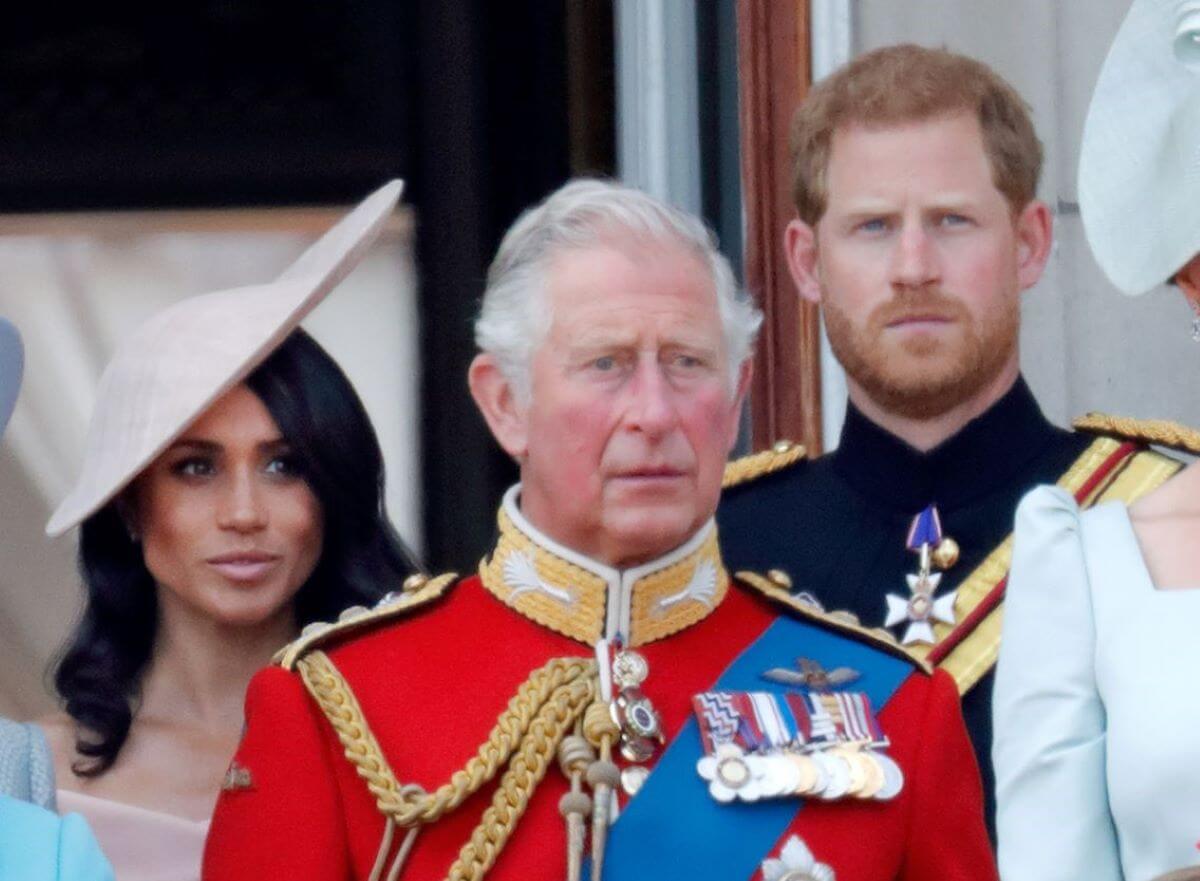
(765, 745)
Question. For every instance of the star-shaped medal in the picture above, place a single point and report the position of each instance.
(921, 608)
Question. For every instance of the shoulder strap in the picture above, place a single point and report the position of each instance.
(1110, 469)
(775, 587)
(783, 454)
(418, 590)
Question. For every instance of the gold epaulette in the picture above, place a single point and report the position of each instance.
(782, 454)
(1161, 432)
(417, 591)
(776, 586)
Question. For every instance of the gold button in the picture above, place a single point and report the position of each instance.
(780, 578)
(352, 613)
(783, 446)
(415, 581)
(884, 634)
(945, 554)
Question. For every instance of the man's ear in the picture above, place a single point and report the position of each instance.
(497, 400)
(741, 389)
(800, 242)
(1035, 236)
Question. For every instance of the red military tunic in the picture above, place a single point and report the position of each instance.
(432, 681)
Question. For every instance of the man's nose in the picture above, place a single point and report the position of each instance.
(242, 507)
(652, 402)
(915, 260)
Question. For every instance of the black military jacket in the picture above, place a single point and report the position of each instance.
(837, 524)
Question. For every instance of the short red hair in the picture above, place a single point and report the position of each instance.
(907, 83)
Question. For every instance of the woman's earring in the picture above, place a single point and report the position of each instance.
(1196, 325)
(128, 519)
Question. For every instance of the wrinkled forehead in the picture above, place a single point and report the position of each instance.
(627, 288)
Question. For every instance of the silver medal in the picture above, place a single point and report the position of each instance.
(837, 773)
(893, 777)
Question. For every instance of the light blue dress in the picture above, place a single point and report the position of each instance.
(1096, 707)
(26, 767)
(36, 845)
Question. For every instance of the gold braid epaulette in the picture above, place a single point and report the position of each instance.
(780, 456)
(1161, 432)
(417, 591)
(776, 586)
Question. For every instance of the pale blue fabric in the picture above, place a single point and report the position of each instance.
(36, 845)
(26, 767)
(1097, 718)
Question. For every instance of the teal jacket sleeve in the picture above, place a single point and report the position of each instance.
(1052, 814)
(26, 769)
(79, 855)
(36, 845)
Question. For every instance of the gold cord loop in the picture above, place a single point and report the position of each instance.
(542, 712)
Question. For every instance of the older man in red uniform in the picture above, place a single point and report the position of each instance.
(602, 697)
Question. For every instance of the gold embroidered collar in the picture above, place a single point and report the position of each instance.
(585, 600)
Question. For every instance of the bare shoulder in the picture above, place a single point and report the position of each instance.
(1176, 499)
(1165, 523)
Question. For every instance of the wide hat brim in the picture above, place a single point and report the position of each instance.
(1139, 166)
(12, 366)
(182, 360)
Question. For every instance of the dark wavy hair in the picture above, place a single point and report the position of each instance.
(335, 447)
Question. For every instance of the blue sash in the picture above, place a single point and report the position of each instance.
(674, 828)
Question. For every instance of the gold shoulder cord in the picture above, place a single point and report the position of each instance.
(418, 590)
(548, 707)
(747, 468)
(1162, 432)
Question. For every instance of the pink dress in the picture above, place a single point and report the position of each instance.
(141, 844)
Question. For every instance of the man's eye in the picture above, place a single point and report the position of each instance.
(688, 361)
(954, 220)
(605, 363)
(193, 467)
(875, 224)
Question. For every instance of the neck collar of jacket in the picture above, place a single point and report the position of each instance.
(981, 458)
(586, 600)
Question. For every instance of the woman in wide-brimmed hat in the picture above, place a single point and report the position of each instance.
(1096, 713)
(35, 845)
(230, 494)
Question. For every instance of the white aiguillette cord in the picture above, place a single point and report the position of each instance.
(604, 665)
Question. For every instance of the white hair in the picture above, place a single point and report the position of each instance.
(515, 316)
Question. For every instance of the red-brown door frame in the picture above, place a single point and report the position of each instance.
(774, 63)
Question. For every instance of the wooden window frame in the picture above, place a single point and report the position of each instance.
(774, 64)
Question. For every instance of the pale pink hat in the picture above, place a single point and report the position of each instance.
(182, 360)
